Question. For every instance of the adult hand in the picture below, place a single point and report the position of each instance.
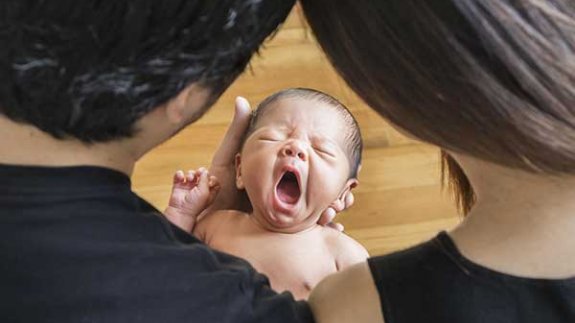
(329, 214)
(223, 162)
(223, 167)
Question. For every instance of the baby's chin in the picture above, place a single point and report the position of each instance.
(289, 224)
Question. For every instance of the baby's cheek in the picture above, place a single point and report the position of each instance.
(328, 190)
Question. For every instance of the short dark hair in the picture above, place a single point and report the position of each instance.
(89, 69)
(491, 79)
(354, 142)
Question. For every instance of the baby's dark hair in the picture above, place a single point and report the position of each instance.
(354, 142)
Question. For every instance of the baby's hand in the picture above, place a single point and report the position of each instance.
(192, 193)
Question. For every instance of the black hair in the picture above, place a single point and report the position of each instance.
(493, 79)
(89, 69)
(354, 142)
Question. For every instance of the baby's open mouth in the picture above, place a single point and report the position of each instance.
(288, 190)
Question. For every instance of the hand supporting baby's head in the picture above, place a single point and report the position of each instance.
(301, 154)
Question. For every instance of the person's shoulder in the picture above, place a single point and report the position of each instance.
(340, 239)
(216, 221)
(346, 250)
(347, 296)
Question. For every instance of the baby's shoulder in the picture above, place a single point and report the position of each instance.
(338, 239)
(345, 249)
(217, 222)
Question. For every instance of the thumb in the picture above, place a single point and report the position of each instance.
(204, 182)
(231, 142)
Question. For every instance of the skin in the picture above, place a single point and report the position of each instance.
(280, 240)
(294, 262)
(307, 137)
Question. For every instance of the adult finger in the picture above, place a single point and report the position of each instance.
(349, 200)
(327, 216)
(337, 226)
(231, 142)
(340, 206)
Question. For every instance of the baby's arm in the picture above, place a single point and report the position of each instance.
(192, 193)
(347, 251)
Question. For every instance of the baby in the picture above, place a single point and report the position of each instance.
(302, 152)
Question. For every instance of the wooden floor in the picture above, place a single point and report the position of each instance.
(399, 200)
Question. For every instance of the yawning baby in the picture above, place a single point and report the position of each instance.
(302, 153)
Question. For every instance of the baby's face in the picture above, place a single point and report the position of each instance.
(294, 165)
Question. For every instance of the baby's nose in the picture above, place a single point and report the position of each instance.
(295, 150)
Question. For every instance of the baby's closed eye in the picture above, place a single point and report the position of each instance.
(271, 136)
(269, 139)
(325, 150)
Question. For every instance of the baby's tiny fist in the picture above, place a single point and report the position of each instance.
(192, 193)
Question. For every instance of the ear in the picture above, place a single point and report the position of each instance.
(349, 185)
(176, 107)
(239, 182)
(187, 103)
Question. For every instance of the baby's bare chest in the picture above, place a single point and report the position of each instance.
(291, 262)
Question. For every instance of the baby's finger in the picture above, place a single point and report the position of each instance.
(203, 181)
(213, 193)
(191, 176)
(179, 177)
(213, 182)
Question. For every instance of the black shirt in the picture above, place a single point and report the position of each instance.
(77, 245)
(433, 282)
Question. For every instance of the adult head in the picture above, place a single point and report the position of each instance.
(90, 71)
(492, 79)
(492, 83)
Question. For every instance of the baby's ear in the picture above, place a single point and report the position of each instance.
(349, 185)
(239, 182)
